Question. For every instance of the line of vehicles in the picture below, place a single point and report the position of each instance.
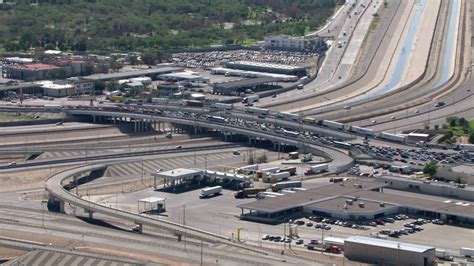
(262, 113)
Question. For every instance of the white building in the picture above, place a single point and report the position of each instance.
(284, 42)
(56, 90)
(81, 86)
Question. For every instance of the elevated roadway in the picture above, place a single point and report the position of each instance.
(341, 160)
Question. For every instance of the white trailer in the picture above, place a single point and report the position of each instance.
(272, 170)
(316, 169)
(222, 106)
(333, 124)
(277, 177)
(290, 133)
(248, 169)
(255, 110)
(160, 100)
(289, 116)
(392, 137)
(464, 147)
(210, 192)
(362, 131)
(467, 252)
(251, 99)
(53, 107)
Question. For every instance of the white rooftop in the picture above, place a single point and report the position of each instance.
(388, 244)
(179, 173)
(47, 84)
(418, 135)
(152, 200)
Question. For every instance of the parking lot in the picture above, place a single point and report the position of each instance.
(213, 59)
(416, 156)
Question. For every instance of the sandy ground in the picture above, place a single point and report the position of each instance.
(20, 180)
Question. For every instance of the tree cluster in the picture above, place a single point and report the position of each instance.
(152, 25)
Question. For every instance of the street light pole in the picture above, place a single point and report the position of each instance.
(184, 224)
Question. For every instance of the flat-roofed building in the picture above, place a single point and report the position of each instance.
(30, 71)
(237, 86)
(56, 90)
(357, 199)
(386, 252)
(268, 67)
(285, 42)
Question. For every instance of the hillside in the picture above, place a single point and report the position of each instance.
(144, 25)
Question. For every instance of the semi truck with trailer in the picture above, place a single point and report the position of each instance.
(285, 185)
(289, 169)
(248, 192)
(362, 130)
(249, 169)
(317, 169)
(256, 110)
(332, 124)
(277, 177)
(392, 137)
(210, 192)
(222, 106)
(193, 103)
(289, 116)
(251, 99)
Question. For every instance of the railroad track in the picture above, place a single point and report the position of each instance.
(213, 254)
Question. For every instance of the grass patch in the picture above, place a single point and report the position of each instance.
(14, 117)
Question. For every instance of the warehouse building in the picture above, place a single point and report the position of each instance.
(386, 252)
(268, 67)
(184, 76)
(152, 73)
(239, 86)
(357, 199)
(30, 71)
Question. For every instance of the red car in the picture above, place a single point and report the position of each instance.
(334, 249)
(380, 222)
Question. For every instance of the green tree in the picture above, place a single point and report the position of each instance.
(430, 169)
(452, 121)
(471, 138)
(262, 159)
(99, 85)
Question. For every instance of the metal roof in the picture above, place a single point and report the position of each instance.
(311, 195)
(152, 200)
(388, 244)
(124, 75)
(244, 83)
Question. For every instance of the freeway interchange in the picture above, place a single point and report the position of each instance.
(408, 70)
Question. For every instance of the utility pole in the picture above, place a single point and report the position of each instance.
(184, 224)
(201, 252)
